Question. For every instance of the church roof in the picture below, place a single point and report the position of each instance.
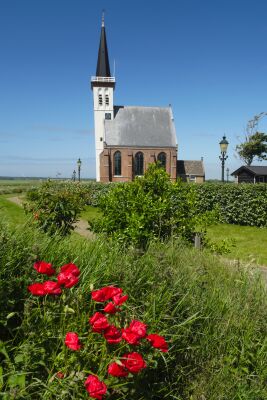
(102, 68)
(141, 127)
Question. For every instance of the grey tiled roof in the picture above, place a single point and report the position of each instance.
(190, 167)
(256, 170)
(141, 127)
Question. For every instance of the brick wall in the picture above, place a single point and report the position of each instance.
(127, 167)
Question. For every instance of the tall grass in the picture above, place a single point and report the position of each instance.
(213, 316)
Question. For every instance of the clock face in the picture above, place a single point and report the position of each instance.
(107, 115)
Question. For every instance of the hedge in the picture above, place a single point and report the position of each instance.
(244, 204)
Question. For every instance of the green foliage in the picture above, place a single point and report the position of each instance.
(150, 207)
(236, 204)
(55, 208)
(255, 144)
(213, 316)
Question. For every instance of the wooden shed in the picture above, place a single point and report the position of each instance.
(251, 174)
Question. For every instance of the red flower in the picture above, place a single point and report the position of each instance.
(72, 341)
(138, 328)
(37, 289)
(70, 268)
(133, 362)
(106, 293)
(119, 299)
(130, 337)
(60, 375)
(51, 287)
(158, 342)
(67, 279)
(112, 335)
(44, 268)
(115, 369)
(111, 309)
(99, 322)
(95, 387)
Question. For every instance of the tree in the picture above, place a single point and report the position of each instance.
(255, 144)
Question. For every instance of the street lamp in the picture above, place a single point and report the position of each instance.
(79, 163)
(227, 174)
(74, 176)
(223, 145)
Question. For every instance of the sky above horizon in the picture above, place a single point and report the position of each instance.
(208, 59)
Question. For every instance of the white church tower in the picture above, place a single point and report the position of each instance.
(103, 86)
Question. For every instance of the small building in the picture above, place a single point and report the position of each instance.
(251, 174)
(191, 171)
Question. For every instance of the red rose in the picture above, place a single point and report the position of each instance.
(158, 342)
(133, 362)
(72, 341)
(70, 268)
(95, 387)
(37, 289)
(67, 279)
(111, 309)
(60, 375)
(99, 322)
(106, 293)
(44, 268)
(138, 328)
(115, 369)
(112, 335)
(130, 337)
(119, 299)
(51, 287)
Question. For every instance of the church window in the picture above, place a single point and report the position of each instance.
(107, 100)
(107, 115)
(139, 163)
(100, 99)
(117, 163)
(162, 160)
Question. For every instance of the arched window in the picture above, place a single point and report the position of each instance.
(139, 163)
(117, 163)
(162, 160)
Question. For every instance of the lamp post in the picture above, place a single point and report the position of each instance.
(79, 163)
(74, 176)
(227, 174)
(223, 157)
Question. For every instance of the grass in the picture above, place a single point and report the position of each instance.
(11, 212)
(250, 242)
(90, 213)
(213, 317)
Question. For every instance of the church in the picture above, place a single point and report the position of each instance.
(128, 138)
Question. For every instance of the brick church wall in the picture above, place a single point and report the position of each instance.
(127, 162)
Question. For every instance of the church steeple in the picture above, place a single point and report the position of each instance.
(102, 68)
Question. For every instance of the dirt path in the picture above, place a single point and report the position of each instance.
(17, 200)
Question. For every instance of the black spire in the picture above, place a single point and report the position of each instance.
(102, 68)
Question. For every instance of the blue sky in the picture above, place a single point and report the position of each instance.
(207, 58)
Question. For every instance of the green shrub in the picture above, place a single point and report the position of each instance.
(55, 208)
(150, 207)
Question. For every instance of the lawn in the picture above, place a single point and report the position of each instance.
(11, 212)
(250, 242)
